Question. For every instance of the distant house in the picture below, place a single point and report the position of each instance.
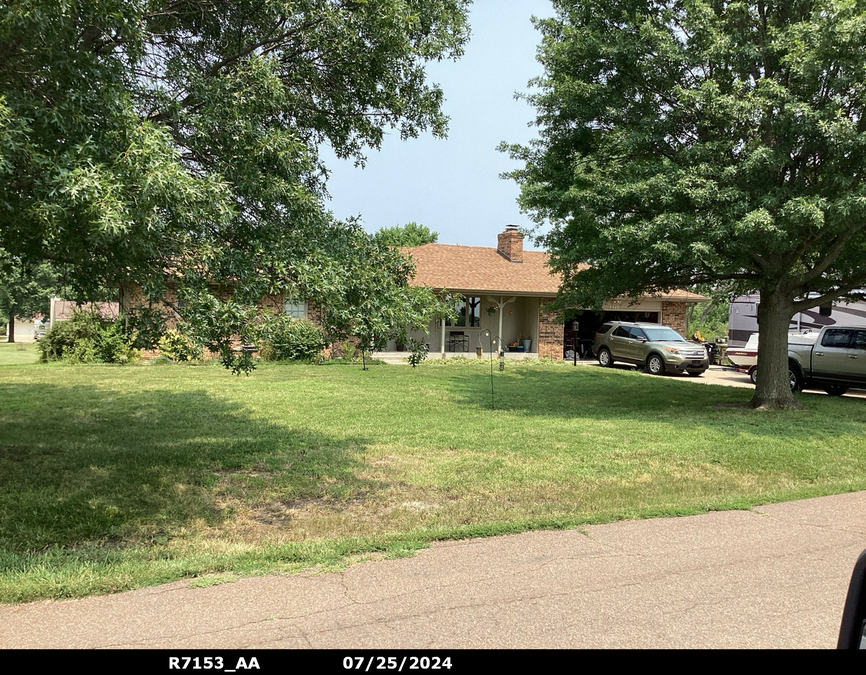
(26, 330)
(61, 310)
(505, 290)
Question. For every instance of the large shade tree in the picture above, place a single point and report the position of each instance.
(704, 141)
(146, 140)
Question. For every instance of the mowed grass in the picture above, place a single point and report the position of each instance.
(17, 353)
(118, 477)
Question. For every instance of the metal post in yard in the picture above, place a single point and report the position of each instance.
(487, 335)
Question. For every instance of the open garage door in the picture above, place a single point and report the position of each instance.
(581, 325)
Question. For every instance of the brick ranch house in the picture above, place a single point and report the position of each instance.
(505, 290)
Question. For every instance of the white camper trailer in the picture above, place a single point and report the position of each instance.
(743, 318)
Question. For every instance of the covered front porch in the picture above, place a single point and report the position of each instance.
(487, 322)
(402, 357)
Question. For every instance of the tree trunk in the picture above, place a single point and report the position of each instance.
(773, 389)
(11, 328)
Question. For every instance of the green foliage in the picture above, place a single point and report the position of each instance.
(178, 346)
(292, 339)
(141, 137)
(710, 319)
(417, 352)
(218, 323)
(87, 338)
(368, 296)
(410, 234)
(703, 142)
(25, 290)
(348, 351)
(148, 326)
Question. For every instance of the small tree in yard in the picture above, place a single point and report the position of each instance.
(704, 142)
(371, 302)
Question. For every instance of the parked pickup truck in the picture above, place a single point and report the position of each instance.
(832, 360)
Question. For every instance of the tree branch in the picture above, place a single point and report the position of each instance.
(832, 253)
(840, 292)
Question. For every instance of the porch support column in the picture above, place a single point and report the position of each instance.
(442, 337)
(501, 306)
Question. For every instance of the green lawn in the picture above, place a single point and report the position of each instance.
(17, 354)
(117, 477)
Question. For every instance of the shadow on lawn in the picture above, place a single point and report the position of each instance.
(79, 464)
(597, 394)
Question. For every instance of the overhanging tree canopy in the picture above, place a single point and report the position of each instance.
(704, 141)
(150, 135)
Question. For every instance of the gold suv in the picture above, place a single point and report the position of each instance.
(652, 346)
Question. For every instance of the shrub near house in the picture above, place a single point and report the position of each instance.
(87, 338)
(284, 337)
(177, 346)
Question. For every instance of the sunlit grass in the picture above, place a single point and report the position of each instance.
(17, 353)
(114, 477)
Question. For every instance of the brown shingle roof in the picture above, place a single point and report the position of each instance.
(483, 269)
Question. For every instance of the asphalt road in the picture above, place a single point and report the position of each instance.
(772, 577)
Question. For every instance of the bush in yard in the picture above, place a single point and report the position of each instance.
(417, 352)
(292, 339)
(178, 346)
(87, 338)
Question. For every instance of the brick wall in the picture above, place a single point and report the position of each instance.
(550, 332)
(674, 316)
(132, 298)
(510, 244)
(315, 314)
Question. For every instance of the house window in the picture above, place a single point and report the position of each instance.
(295, 308)
(468, 310)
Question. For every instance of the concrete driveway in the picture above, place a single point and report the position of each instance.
(725, 376)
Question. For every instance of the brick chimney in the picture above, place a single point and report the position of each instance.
(510, 244)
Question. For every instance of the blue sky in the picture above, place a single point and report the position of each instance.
(452, 186)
